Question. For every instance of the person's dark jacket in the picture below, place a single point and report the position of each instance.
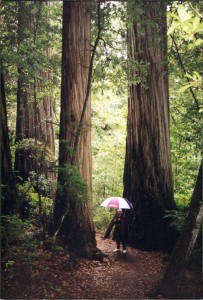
(121, 229)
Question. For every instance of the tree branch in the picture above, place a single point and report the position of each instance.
(184, 70)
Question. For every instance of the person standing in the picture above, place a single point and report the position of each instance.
(120, 230)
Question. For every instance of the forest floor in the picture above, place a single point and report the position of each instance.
(49, 274)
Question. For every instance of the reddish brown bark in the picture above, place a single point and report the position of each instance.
(73, 218)
(148, 175)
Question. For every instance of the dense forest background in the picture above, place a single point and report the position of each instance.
(66, 119)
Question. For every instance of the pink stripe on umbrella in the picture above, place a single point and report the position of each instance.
(113, 203)
(117, 202)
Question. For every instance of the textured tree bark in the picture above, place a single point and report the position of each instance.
(173, 276)
(148, 175)
(34, 120)
(72, 217)
(8, 191)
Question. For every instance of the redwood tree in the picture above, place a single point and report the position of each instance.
(179, 259)
(148, 175)
(72, 218)
(8, 191)
(35, 133)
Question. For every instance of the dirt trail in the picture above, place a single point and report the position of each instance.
(51, 275)
(130, 276)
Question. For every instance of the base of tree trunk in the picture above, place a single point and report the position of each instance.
(181, 254)
(88, 252)
(79, 241)
(151, 231)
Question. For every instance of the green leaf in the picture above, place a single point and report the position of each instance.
(184, 88)
(199, 28)
(189, 76)
(183, 14)
(173, 27)
(196, 22)
(198, 42)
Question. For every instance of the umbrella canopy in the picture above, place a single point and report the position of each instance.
(117, 202)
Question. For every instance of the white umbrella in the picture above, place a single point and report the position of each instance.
(117, 202)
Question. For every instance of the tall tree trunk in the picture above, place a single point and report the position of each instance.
(147, 175)
(173, 276)
(8, 191)
(73, 217)
(34, 121)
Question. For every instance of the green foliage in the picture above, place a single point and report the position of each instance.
(46, 205)
(72, 183)
(195, 81)
(27, 189)
(24, 49)
(185, 20)
(186, 31)
(40, 206)
(102, 217)
(141, 69)
(35, 146)
(108, 145)
(110, 65)
(109, 108)
(185, 97)
(9, 270)
(177, 216)
(18, 232)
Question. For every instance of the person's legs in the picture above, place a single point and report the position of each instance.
(118, 243)
(124, 245)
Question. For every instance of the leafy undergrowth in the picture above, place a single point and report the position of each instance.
(50, 274)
